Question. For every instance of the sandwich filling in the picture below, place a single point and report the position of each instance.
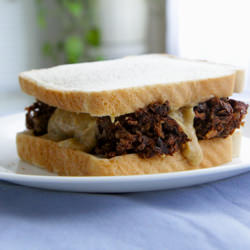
(153, 130)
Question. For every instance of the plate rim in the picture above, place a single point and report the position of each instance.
(159, 176)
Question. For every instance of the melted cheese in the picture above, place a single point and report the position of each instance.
(112, 118)
(191, 150)
(81, 127)
(78, 131)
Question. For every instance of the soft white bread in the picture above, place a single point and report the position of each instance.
(121, 86)
(65, 161)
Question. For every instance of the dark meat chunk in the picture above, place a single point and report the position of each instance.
(37, 117)
(147, 132)
(218, 117)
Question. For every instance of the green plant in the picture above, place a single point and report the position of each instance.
(78, 38)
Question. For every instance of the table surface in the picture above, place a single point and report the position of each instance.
(209, 216)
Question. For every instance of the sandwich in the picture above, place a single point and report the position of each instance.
(143, 114)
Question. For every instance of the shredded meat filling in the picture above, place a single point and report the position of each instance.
(147, 132)
(151, 131)
(37, 117)
(218, 117)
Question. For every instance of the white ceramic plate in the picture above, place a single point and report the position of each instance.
(16, 171)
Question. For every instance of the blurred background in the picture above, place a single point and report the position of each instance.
(43, 33)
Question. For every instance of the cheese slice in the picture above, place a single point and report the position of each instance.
(191, 150)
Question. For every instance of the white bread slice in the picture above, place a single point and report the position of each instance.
(239, 80)
(65, 161)
(121, 86)
(236, 138)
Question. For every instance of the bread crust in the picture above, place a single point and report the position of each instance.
(122, 101)
(64, 161)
